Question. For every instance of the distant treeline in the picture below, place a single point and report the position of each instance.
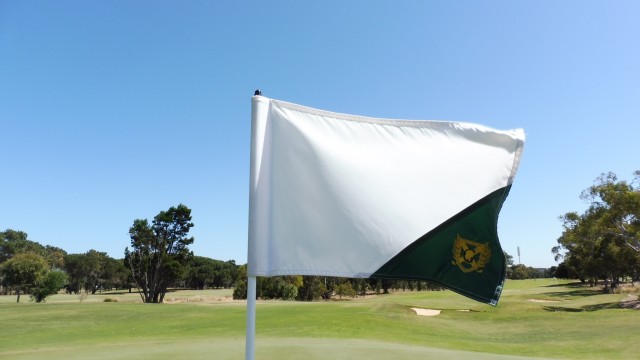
(311, 288)
(95, 271)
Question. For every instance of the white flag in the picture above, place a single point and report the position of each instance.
(351, 196)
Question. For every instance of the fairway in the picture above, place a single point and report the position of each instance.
(535, 319)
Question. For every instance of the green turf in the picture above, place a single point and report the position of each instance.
(576, 322)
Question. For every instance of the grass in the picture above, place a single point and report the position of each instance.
(566, 321)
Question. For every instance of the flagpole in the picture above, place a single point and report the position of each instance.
(256, 128)
(251, 318)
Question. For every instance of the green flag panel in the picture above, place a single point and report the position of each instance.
(462, 254)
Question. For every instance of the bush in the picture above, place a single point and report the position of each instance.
(345, 289)
(289, 292)
(240, 289)
(49, 284)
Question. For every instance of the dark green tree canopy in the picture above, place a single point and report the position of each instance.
(159, 252)
(604, 241)
(48, 284)
(94, 270)
(22, 271)
(14, 242)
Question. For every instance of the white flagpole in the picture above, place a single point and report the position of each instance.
(258, 119)
(251, 319)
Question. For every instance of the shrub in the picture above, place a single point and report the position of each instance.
(49, 284)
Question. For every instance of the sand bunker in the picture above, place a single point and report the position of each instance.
(426, 312)
(543, 301)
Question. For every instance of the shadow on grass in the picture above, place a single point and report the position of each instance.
(575, 293)
(125, 292)
(595, 307)
(570, 285)
(578, 289)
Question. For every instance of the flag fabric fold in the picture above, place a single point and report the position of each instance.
(352, 196)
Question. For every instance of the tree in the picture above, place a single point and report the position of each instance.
(74, 265)
(13, 242)
(362, 286)
(551, 272)
(563, 272)
(200, 272)
(55, 257)
(48, 284)
(278, 287)
(114, 274)
(345, 289)
(604, 241)
(520, 272)
(312, 288)
(93, 270)
(508, 259)
(22, 272)
(225, 274)
(240, 286)
(159, 252)
(204, 271)
(621, 204)
(93, 266)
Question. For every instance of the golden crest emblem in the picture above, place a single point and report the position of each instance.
(470, 255)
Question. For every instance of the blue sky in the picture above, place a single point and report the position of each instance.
(115, 110)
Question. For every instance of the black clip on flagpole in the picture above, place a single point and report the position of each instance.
(257, 92)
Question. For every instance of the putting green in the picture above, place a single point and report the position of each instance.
(535, 319)
(287, 348)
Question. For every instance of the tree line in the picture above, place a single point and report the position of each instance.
(522, 272)
(312, 288)
(603, 242)
(158, 260)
